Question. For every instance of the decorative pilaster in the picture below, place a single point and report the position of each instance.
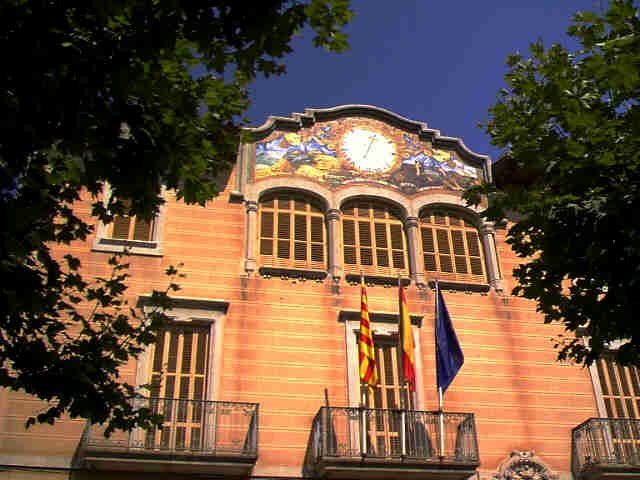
(251, 237)
(334, 236)
(492, 262)
(416, 267)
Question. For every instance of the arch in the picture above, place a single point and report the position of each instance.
(463, 261)
(373, 192)
(291, 183)
(447, 200)
(374, 241)
(292, 231)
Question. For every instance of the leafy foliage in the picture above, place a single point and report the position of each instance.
(571, 126)
(106, 93)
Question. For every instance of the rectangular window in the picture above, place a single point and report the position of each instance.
(178, 386)
(620, 389)
(620, 393)
(129, 232)
(384, 426)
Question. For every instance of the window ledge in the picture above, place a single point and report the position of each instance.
(291, 273)
(354, 279)
(378, 317)
(461, 286)
(134, 247)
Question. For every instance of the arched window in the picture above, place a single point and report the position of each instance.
(373, 239)
(451, 246)
(292, 232)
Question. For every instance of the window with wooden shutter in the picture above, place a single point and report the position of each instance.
(373, 239)
(391, 394)
(292, 232)
(125, 227)
(451, 247)
(179, 373)
(620, 388)
(620, 393)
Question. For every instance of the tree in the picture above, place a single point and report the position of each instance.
(134, 94)
(570, 123)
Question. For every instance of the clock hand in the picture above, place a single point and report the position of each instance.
(373, 139)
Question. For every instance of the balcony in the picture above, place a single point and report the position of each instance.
(376, 443)
(196, 437)
(606, 448)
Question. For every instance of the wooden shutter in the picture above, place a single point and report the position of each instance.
(292, 232)
(452, 249)
(179, 372)
(349, 240)
(142, 230)
(620, 389)
(266, 233)
(373, 239)
(121, 227)
(128, 227)
(390, 395)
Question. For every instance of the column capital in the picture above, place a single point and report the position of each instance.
(411, 222)
(251, 206)
(333, 214)
(486, 228)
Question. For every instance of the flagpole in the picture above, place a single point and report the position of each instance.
(363, 432)
(440, 410)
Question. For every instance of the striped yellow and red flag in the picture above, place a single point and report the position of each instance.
(406, 338)
(368, 371)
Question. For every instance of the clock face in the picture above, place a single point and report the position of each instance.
(368, 150)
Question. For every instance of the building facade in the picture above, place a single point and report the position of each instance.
(257, 376)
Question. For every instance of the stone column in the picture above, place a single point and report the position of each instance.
(492, 263)
(334, 243)
(416, 267)
(251, 237)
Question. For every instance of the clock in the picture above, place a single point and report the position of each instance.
(368, 150)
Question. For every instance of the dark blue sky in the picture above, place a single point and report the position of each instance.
(437, 62)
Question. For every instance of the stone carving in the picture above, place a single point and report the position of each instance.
(524, 465)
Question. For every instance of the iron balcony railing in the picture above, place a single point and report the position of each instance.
(190, 427)
(603, 442)
(378, 433)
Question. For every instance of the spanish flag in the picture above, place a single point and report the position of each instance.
(406, 338)
(368, 371)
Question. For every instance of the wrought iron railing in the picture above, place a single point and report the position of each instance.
(370, 432)
(605, 441)
(190, 427)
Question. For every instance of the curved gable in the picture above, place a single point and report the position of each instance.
(351, 144)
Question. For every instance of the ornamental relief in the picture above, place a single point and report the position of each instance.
(353, 149)
(524, 465)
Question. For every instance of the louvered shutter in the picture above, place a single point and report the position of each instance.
(292, 228)
(428, 249)
(284, 233)
(179, 372)
(373, 239)
(266, 233)
(390, 395)
(121, 227)
(349, 239)
(300, 237)
(142, 230)
(382, 246)
(453, 248)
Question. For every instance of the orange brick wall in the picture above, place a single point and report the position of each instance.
(283, 345)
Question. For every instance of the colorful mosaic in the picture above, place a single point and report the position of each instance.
(362, 149)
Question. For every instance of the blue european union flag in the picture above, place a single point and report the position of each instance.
(449, 357)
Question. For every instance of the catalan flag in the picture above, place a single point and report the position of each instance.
(368, 371)
(406, 338)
